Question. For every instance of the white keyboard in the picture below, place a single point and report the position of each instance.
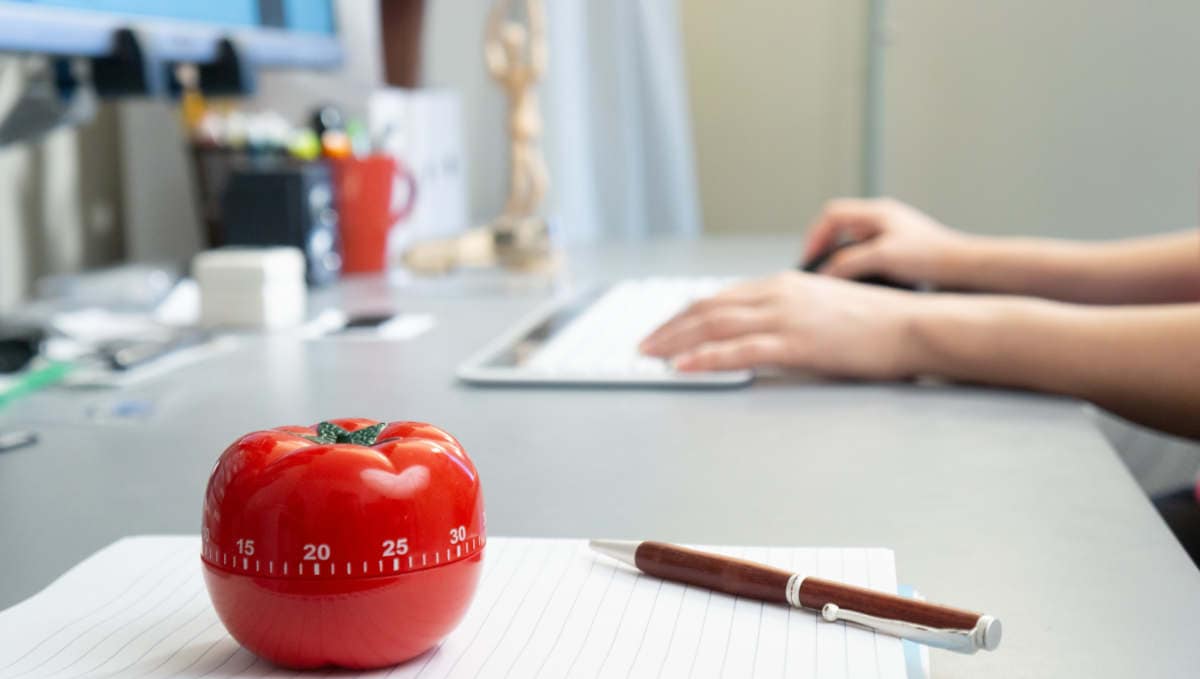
(593, 339)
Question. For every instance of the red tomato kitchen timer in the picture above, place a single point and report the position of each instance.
(352, 543)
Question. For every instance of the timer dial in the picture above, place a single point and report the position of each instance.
(353, 542)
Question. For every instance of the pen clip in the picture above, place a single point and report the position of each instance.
(985, 634)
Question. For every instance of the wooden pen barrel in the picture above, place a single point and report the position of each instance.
(723, 574)
(815, 593)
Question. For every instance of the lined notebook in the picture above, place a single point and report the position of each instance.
(544, 608)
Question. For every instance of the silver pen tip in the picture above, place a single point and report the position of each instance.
(621, 550)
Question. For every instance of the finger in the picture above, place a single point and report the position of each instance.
(822, 234)
(743, 293)
(854, 262)
(858, 218)
(693, 331)
(748, 293)
(735, 354)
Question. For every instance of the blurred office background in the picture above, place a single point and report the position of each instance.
(1057, 118)
(1065, 118)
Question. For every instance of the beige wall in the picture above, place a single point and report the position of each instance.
(452, 58)
(1071, 117)
(776, 93)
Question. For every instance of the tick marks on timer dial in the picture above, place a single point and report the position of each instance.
(316, 555)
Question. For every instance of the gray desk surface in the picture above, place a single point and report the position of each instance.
(1006, 502)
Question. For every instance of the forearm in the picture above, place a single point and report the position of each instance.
(1140, 362)
(1159, 269)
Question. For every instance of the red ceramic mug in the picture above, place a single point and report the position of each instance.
(365, 211)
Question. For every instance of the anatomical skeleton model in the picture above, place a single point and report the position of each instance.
(516, 58)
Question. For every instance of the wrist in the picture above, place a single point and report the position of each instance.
(998, 340)
(951, 336)
(920, 327)
(961, 262)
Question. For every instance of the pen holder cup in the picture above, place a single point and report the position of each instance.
(366, 192)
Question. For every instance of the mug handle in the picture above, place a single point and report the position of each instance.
(403, 172)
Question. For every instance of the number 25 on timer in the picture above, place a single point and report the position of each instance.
(395, 547)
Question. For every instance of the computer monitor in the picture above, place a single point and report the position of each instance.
(135, 48)
(272, 33)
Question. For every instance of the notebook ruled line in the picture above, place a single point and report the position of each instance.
(491, 609)
(738, 604)
(497, 552)
(612, 571)
(558, 582)
(102, 622)
(201, 611)
(620, 623)
(558, 634)
(223, 662)
(504, 633)
(642, 637)
(177, 651)
(134, 583)
(182, 586)
(703, 621)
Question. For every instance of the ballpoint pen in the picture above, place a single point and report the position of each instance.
(11, 440)
(932, 624)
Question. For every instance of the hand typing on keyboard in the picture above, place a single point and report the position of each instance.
(829, 326)
(604, 339)
(590, 338)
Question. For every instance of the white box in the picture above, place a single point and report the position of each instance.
(423, 130)
(251, 287)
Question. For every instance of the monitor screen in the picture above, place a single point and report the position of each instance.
(271, 32)
(312, 16)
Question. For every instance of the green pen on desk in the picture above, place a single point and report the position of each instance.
(34, 379)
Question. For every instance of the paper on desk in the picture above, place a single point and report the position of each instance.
(331, 325)
(544, 608)
(98, 374)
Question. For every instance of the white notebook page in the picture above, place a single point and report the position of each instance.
(544, 608)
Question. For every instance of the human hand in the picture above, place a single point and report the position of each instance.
(831, 327)
(898, 242)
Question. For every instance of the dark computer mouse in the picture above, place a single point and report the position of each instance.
(814, 265)
(18, 346)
